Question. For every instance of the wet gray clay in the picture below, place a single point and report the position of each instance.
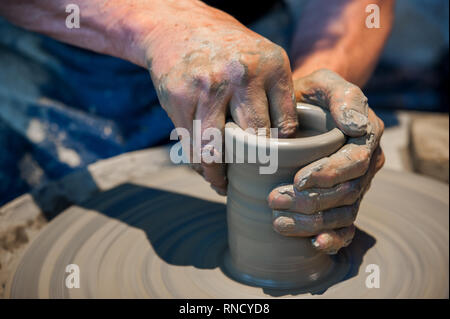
(257, 254)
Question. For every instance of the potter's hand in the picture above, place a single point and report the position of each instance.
(205, 64)
(325, 197)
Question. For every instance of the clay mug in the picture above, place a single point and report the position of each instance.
(257, 254)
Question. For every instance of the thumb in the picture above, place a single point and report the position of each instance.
(345, 101)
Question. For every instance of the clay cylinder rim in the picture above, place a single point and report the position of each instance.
(310, 117)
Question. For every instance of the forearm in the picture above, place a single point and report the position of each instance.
(121, 28)
(333, 35)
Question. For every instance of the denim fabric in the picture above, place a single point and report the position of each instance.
(62, 108)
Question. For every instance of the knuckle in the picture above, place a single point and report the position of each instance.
(332, 175)
(178, 93)
(250, 61)
(354, 193)
(219, 88)
(272, 197)
(313, 202)
(364, 158)
(365, 163)
(201, 79)
(322, 72)
(317, 222)
(357, 96)
(306, 223)
(237, 71)
(352, 190)
(326, 77)
(210, 82)
(278, 55)
(354, 90)
(357, 190)
(302, 177)
(307, 202)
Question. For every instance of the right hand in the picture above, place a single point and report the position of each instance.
(204, 64)
(324, 198)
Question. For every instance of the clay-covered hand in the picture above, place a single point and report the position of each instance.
(206, 65)
(324, 199)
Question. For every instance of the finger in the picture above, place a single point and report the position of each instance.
(345, 101)
(215, 174)
(375, 130)
(211, 110)
(302, 225)
(376, 164)
(331, 241)
(249, 109)
(314, 200)
(350, 162)
(380, 159)
(282, 103)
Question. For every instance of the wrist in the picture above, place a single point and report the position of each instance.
(131, 29)
(126, 25)
(158, 28)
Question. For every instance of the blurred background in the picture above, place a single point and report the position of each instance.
(40, 132)
(409, 89)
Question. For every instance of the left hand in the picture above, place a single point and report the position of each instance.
(324, 199)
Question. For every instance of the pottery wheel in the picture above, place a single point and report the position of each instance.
(163, 235)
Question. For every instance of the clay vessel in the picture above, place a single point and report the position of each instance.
(257, 254)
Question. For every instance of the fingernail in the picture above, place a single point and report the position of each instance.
(315, 243)
(302, 182)
(282, 201)
(324, 240)
(355, 120)
(332, 252)
(284, 224)
(288, 129)
(303, 178)
(219, 190)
